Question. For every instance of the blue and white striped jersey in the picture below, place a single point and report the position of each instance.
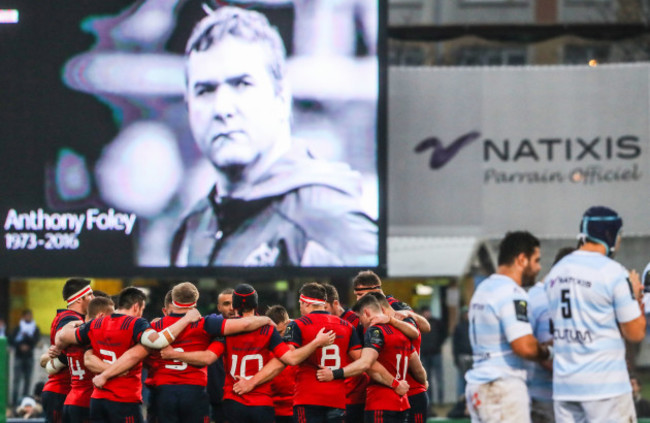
(540, 380)
(589, 294)
(497, 316)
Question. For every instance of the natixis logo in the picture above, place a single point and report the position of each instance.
(567, 159)
(441, 154)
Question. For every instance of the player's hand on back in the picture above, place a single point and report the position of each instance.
(168, 353)
(380, 319)
(324, 374)
(99, 381)
(53, 351)
(271, 322)
(402, 388)
(403, 314)
(193, 315)
(242, 386)
(325, 338)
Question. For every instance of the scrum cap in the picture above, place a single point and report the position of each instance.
(601, 225)
(244, 297)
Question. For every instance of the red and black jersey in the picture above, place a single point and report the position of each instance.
(356, 385)
(309, 391)
(394, 349)
(244, 355)
(60, 382)
(110, 337)
(396, 304)
(193, 338)
(350, 316)
(81, 379)
(415, 387)
(282, 387)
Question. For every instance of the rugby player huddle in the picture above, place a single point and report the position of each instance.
(330, 365)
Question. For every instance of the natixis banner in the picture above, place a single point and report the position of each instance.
(480, 151)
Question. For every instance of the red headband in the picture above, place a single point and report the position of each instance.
(309, 300)
(183, 305)
(74, 297)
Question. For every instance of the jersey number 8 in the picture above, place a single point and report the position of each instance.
(328, 354)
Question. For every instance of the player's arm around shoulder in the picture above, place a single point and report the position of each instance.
(634, 330)
(293, 357)
(126, 361)
(93, 362)
(159, 340)
(66, 336)
(245, 324)
(373, 342)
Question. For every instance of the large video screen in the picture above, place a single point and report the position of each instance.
(199, 138)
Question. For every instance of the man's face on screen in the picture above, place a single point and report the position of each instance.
(235, 114)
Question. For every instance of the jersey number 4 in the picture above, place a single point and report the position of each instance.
(75, 368)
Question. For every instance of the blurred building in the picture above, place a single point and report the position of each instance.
(517, 32)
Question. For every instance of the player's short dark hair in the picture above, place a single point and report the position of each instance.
(100, 305)
(367, 301)
(381, 298)
(366, 278)
(278, 314)
(98, 293)
(332, 293)
(74, 285)
(168, 299)
(314, 290)
(563, 252)
(130, 296)
(515, 243)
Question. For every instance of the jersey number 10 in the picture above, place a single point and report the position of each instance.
(242, 365)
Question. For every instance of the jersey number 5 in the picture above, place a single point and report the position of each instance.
(566, 304)
(180, 366)
(109, 356)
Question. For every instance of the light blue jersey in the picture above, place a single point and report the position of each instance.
(589, 294)
(540, 380)
(497, 316)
